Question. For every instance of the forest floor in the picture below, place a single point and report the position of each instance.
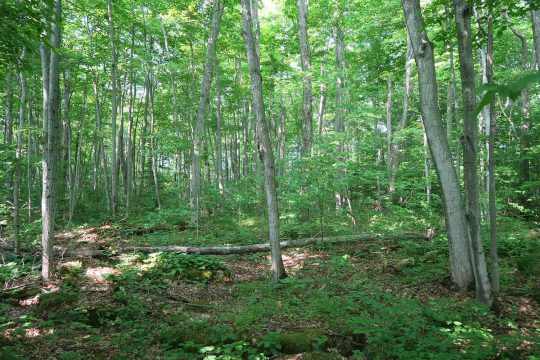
(390, 299)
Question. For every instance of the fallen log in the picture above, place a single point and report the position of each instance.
(247, 249)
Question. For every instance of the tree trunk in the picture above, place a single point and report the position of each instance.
(114, 164)
(397, 144)
(8, 130)
(389, 148)
(264, 145)
(305, 55)
(249, 249)
(535, 19)
(195, 184)
(490, 129)
(51, 137)
(153, 156)
(463, 13)
(462, 273)
(18, 159)
(219, 153)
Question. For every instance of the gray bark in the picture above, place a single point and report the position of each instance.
(490, 129)
(463, 12)
(264, 144)
(219, 153)
(114, 164)
(305, 55)
(462, 274)
(195, 184)
(397, 143)
(18, 159)
(249, 249)
(52, 147)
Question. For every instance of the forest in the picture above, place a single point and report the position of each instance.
(270, 179)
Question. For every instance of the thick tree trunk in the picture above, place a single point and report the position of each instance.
(458, 238)
(264, 145)
(195, 184)
(463, 12)
(305, 55)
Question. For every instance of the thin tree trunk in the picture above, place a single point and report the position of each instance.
(8, 130)
(18, 159)
(114, 164)
(176, 122)
(463, 12)
(78, 153)
(195, 184)
(462, 273)
(305, 55)
(490, 129)
(389, 148)
(264, 145)
(535, 20)
(397, 144)
(153, 157)
(219, 154)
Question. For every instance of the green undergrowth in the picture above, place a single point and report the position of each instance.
(374, 300)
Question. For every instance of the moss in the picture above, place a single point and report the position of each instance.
(319, 356)
(299, 342)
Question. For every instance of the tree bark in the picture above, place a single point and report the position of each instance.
(461, 269)
(18, 159)
(219, 153)
(305, 56)
(249, 249)
(463, 11)
(264, 145)
(195, 184)
(490, 129)
(114, 164)
(51, 149)
(397, 144)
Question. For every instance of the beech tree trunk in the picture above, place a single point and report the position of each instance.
(114, 164)
(305, 56)
(458, 238)
(51, 135)
(397, 143)
(490, 129)
(18, 159)
(219, 153)
(264, 144)
(195, 184)
(8, 130)
(463, 11)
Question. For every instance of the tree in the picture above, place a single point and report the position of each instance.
(198, 135)
(51, 134)
(458, 238)
(263, 139)
(463, 12)
(305, 55)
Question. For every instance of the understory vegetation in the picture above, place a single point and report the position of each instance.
(269, 179)
(384, 299)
